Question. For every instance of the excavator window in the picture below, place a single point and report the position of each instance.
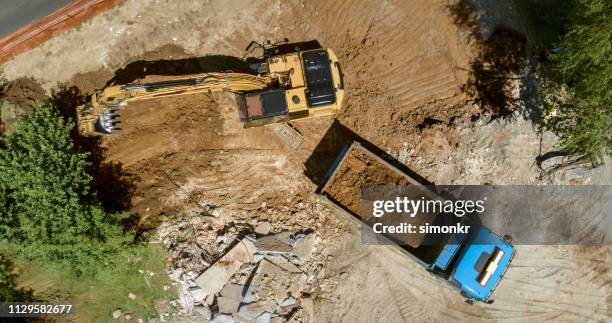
(319, 82)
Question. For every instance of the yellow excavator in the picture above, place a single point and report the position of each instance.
(280, 86)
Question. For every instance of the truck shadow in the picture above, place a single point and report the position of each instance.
(112, 186)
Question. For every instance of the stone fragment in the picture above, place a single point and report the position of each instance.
(263, 228)
(222, 318)
(131, 296)
(219, 273)
(198, 294)
(251, 311)
(270, 244)
(203, 311)
(230, 298)
(264, 318)
(117, 313)
(304, 248)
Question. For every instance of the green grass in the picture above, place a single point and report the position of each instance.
(95, 298)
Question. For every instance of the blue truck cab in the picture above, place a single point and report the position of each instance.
(473, 262)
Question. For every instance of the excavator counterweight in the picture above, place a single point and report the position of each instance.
(291, 86)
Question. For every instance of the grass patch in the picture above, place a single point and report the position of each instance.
(96, 297)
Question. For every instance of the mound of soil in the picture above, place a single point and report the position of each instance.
(16, 99)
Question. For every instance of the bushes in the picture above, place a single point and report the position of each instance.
(579, 96)
(48, 211)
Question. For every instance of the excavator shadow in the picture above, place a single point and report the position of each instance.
(204, 64)
(110, 183)
(177, 67)
(335, 139)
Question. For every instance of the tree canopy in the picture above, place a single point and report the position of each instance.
(47, 209)
(580, 96)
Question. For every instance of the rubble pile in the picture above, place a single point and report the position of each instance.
(242, 273)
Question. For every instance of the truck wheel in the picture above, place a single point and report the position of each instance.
(491, 301)
(507, 238)
(469, 301)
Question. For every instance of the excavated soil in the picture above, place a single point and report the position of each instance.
(405, 64)
(357, 171)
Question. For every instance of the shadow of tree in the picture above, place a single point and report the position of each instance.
(500, 59)
(112, 186)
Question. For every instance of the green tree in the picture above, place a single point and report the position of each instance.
(580, 96)
(48, 210)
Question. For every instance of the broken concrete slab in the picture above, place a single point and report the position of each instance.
(227, 305)
(198, 294)
(264, 318)
(285, 237)
(305, 247)
(222, 318)
(203, 311)
(284, 263)
(270, 244)
(220, 272)
(251, 311)
(263, 228)
(230, 298)
(273, 282)
(289, 301)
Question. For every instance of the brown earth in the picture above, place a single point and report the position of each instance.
(405, 65)
(356, 172)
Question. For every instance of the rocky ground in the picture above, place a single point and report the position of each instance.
(247, 239)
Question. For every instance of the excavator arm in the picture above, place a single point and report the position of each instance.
(295, 85)
(99, 115)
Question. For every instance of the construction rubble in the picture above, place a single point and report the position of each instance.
(242, 273)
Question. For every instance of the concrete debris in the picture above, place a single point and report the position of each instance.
(271, 281)
(270, 244)
(203, 311)
(131, 296)
(305, 247)
(117, 313)
(289, 301)
(264, 318)
(217, 275)
(197, 294)
(251, 311)
(222, 318)
(284, 263)
(127, 316)
(176, 274)
(285, 237)
(230, 299)
(263, 228)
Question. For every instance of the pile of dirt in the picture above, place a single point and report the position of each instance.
(16, 99)
(357, 171)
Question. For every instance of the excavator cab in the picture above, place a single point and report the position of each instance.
(312, 87)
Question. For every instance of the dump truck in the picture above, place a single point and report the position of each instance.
(279, 86)
(473, 262)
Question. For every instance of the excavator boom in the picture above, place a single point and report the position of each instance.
(298, 85)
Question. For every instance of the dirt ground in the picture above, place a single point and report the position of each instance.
(405, 65)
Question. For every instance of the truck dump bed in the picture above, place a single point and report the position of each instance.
(357, 168)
